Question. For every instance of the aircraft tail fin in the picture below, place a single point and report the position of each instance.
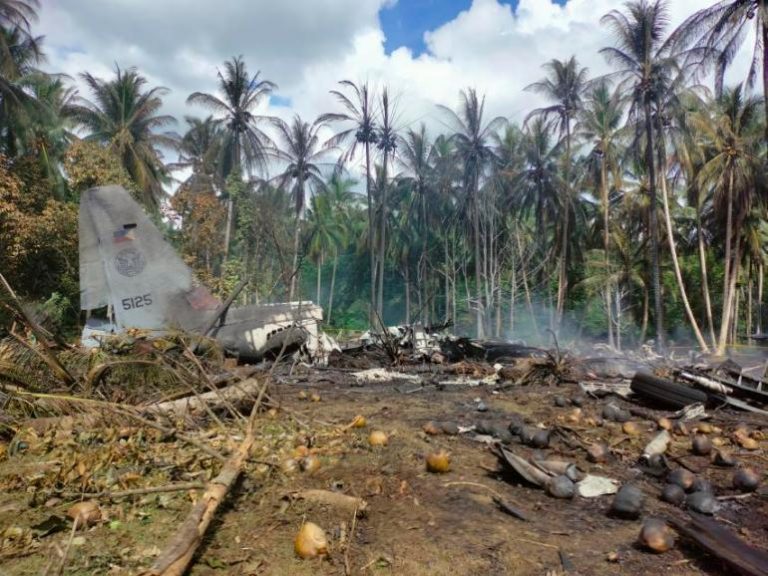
(125, 261)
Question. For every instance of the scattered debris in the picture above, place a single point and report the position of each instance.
(661, 439)
(594, 486)
(383, 375)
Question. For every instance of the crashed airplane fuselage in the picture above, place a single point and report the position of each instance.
(127, 267)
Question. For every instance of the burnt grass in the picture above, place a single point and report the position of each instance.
(416, 522)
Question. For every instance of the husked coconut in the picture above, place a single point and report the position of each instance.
(311, 541)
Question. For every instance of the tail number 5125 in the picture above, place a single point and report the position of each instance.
(137, 302)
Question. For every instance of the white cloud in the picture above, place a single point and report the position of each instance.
(308, 45)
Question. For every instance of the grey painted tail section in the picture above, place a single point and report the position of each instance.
(126, 262)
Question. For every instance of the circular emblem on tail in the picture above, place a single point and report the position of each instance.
(130, 262)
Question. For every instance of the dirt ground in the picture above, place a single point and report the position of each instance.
(416, 522)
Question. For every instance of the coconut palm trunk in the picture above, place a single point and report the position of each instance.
(606, 248)
(407, 291)
(478, 262)
(673, 251)
(447, 287)
(382, 239)
(423, 289)
(296, 239)
(333, 283)
(228, 228)
(705, 277)
(512, 299)
(760, 298)
(562, 285)
(371, 251)
(653, 224)
(728, 281)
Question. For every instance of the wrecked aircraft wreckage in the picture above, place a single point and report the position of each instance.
(131, 274)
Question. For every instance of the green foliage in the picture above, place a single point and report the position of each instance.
(57, 310)
(488, 221)
(39, 237)
(89, 164)
(123, 116)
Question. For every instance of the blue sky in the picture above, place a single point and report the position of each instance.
(404, 23)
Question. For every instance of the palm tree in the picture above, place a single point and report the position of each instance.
(362, 131)
(244, 145)
(536, 184)
(326, 229)
(341, 201)
(671, 98)
(731, 137)
(124, 116)
(472, 141)
(644, 63)
(600, 124)
(415, 156)
(564, 86)
(50, 124)
(243, 149)
(720, 30)
(23, 55)
(445, 174)
(300, 148)
(15, 15)
(199, 149)
(386, 143)
(689, 157)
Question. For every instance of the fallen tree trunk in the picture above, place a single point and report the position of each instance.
(178, 553)
(665, 392)
(332, 499)
(723, 544)
(222, 397)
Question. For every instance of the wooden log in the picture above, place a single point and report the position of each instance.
(665, 392)
(132, 492)
(178, 553)
(332, 499)
(192, 405)
(723, 544)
